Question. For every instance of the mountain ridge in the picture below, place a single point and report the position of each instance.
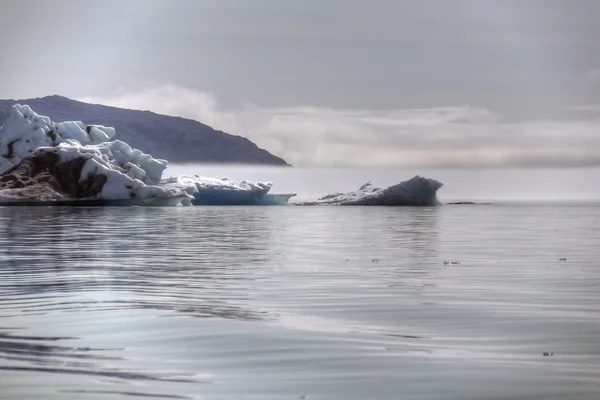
(176, 139)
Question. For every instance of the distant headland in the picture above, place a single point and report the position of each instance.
(176, 139)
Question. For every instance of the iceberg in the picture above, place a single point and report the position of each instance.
(417, 191)
(214, 191)
(70, 162)
(62, 163)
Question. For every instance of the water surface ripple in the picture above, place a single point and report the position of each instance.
(453, 302)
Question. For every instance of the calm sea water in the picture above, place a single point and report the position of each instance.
(450, 302)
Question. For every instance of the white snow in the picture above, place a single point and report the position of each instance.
(195, 183)
(131, 174)
(23, 132)
(417, 191)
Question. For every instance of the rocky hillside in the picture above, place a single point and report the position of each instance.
(175, 139)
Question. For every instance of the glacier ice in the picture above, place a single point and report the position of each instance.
(418, 191)
(130, 175)
(25, 131)
(214, 191)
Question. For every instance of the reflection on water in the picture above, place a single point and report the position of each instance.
(286, 302)
(71, 250)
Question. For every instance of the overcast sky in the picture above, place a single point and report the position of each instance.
(331, 82)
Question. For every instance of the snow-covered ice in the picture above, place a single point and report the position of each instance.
(215, 191)
(25, 131)
(417, 191)
(130, 173)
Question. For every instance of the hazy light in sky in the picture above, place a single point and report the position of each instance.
(330, 82)
(435, 136)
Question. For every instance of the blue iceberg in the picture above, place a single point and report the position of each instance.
(218, 192)
(417, 191)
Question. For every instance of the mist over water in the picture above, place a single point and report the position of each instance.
(576, 184)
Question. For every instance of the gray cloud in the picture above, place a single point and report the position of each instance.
(520, 58)
(593, 75)
(332, 82)
(465, 136)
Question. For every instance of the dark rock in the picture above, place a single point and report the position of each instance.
(11, 150)
(41, 176)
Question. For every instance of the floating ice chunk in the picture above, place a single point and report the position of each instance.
(215, 191)
(82, 164)
(25, 131)
(417, 191)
